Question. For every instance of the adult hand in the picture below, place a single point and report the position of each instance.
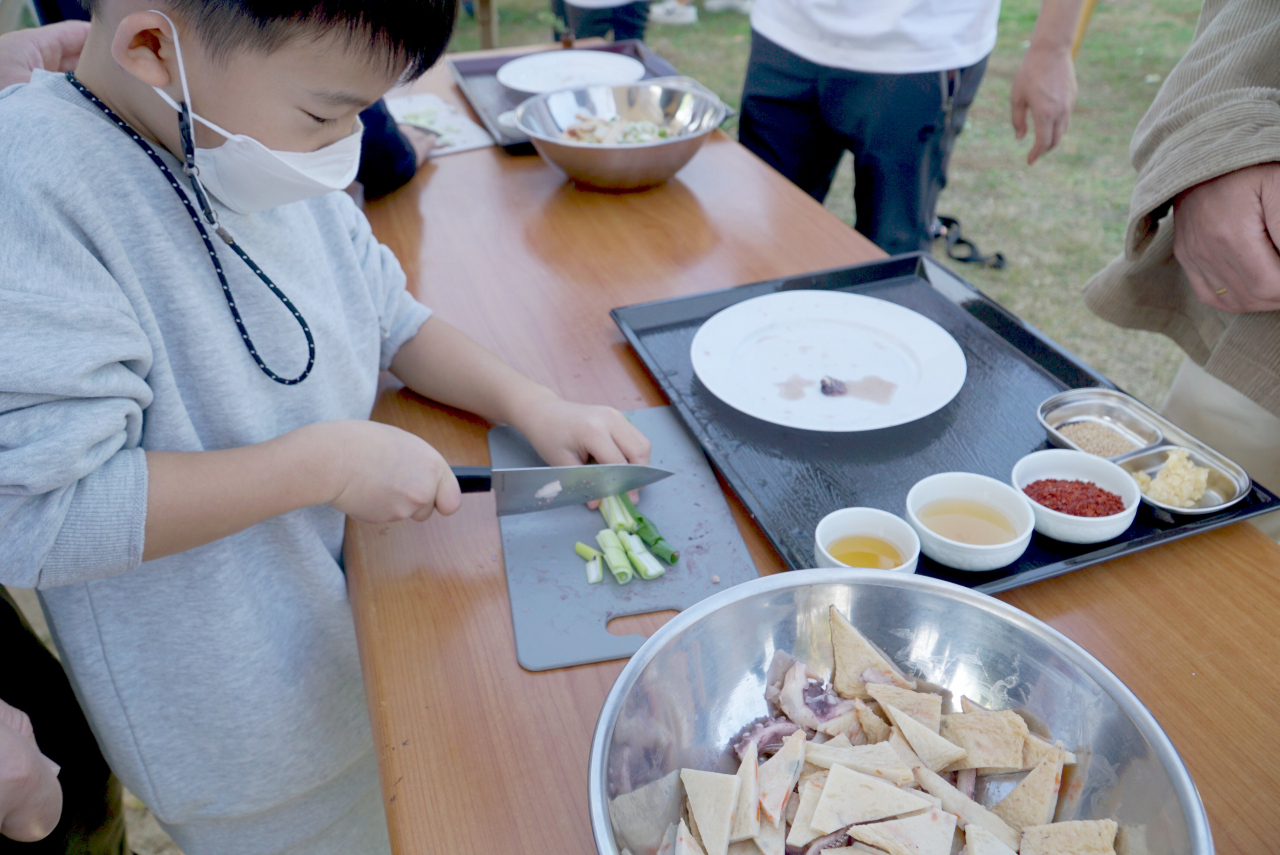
(53, 48)
(1046, 86)
(30, 795)
(1224, 236)
(567, 434)
(382, 473)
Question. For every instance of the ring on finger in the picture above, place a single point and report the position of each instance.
(1220, 291)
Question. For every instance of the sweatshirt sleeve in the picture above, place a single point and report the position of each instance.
(73, 363)
(1218, 111)
(400, 314)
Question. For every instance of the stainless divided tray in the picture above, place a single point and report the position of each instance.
(1154, 436)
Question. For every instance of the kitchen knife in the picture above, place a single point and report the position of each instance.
(541, 488)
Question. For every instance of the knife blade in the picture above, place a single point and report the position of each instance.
(542, 488)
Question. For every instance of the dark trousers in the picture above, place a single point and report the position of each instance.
(32, 680)
(627, 21)
(800, 118)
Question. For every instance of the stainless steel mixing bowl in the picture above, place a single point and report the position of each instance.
(687, 110)
(701, 678)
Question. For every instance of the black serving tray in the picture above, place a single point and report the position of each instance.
(789, 479)
(477, 78)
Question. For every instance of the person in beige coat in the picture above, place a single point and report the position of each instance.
(1201, 263)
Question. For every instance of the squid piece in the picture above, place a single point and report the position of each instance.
(810, 705)
(831, 841)
(767, 736)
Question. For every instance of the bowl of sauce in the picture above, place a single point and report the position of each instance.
(969, 521)
(866, 538)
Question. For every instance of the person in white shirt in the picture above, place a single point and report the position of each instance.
(891, 82)
(597, 18)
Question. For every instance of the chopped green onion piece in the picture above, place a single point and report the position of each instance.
(586, 553)
(647, 530)
(628, 504)
(615, 555)
(616, 515)
(595, 570)
(606, 511)
(649, 533)
(646, 565)
(663, 550)
(644, 526)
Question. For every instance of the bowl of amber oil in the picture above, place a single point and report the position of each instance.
(1077, 497)
(866, 538)
(970, 522)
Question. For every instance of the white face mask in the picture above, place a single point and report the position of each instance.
(246, 176)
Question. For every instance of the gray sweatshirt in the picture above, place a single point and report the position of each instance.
(223, 683)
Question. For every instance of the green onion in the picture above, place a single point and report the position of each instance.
(615, 555)
(616, 515)
(649, 533)
(646, 565)
(663, 550)
(586, 553)
(595, 570)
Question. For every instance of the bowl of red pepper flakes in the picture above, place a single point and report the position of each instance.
(1077, 497)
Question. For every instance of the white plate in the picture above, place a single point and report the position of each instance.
(766, 357)
(569, 69)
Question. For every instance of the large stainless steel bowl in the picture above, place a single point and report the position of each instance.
(687, 110)
(701, 678)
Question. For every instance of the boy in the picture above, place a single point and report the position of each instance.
(187, 365)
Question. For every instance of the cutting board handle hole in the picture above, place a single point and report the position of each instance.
(645, 624)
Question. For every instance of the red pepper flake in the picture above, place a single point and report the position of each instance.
(1078, 498)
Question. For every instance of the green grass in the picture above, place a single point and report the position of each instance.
(1058, 222)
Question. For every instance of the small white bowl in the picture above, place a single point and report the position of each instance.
(872, 521)
(967, 485)
(1078, 466)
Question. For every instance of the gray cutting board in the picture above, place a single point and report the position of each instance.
(559, 619)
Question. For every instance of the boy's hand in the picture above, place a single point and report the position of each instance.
(382, 473)
(567, 434)
(30, 795)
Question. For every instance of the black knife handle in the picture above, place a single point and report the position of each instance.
(474, 479)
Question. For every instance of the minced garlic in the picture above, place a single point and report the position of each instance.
(1179, 483)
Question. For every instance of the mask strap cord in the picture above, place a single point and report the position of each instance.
(189, 156)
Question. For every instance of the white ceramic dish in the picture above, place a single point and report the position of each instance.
(872, 521)
(767, 356)
(967, 485)
(1078, 466)
(568, 69)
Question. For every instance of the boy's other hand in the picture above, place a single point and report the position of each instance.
(567, 434)
(30, 795)
(422, 142)
(53, 48)
(383, 474)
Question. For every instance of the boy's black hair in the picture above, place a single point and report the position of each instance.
(410, 32)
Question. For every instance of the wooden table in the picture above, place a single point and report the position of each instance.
(478, 755)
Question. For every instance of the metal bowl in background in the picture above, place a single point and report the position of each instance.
(698, 681)
(685, 108)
